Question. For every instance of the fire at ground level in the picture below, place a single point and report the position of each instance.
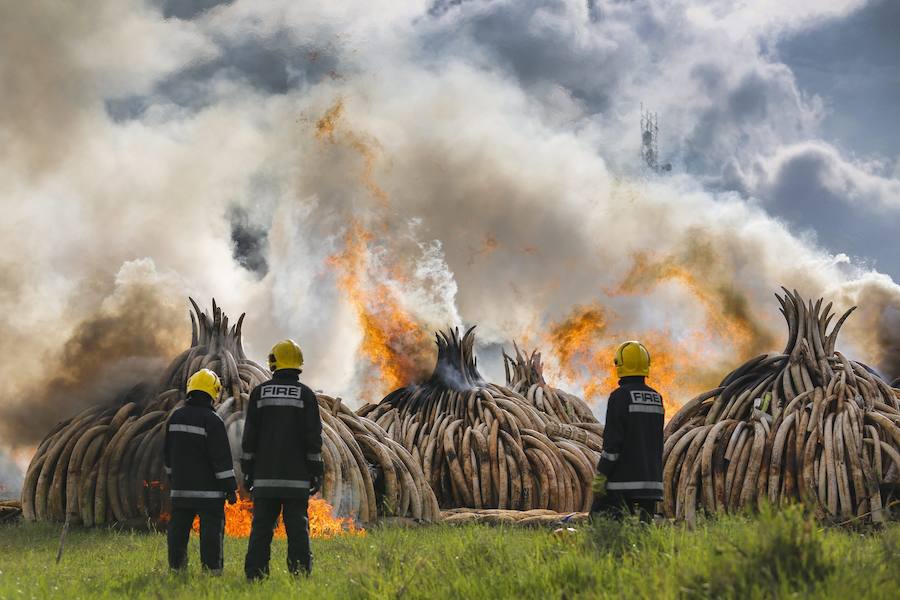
(322, 522)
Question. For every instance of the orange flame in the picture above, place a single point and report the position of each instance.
(394, 342)
(681, 365)
(322, 522)
(584, 348)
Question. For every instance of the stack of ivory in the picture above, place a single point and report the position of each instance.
(525, 376)
(806, 424)
(105, 465)
(367, 473)
(522, 518)
(483, 445)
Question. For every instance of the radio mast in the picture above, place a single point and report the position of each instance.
(650, 141)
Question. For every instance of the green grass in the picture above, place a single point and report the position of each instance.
(782, 555)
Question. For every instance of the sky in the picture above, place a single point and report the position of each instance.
(853, 65)
(323, 165)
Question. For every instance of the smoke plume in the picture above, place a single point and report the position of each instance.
(355, 178)
(114, 354)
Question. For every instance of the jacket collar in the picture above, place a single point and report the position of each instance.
(287, 375)
(632, 380)
(198, 398)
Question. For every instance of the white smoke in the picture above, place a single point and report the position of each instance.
(490, 149)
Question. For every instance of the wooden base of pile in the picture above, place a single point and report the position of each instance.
(520, 518)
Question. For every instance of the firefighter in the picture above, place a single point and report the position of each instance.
(282, 461)
(201, 474)
(629, 477)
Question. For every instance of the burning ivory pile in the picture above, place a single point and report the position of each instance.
(805, 424)
(105, 465)
(367, 473)
(483, 445)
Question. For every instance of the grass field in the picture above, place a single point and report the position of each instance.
(781, 555)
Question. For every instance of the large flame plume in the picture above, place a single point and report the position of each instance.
(394, 343)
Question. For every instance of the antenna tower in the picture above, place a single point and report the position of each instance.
(649, 139)
(650, 142)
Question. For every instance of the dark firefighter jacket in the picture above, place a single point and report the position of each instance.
(633, 440)
(282, 445)
(197, 455)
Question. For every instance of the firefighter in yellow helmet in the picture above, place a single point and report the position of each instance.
(629, 477)
(197, 459)
(282, 461)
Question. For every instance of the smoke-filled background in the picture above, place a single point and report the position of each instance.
(354, 175)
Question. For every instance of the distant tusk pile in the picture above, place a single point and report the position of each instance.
(806, 424)
(519, 518)
(105, 465)
(483, 445)
(525, 376)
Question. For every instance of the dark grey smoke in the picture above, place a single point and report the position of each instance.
(275, 65)
(250, 241)
(187, 9)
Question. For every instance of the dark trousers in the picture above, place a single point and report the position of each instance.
(212, 537)
(296, 525)
(615, 505)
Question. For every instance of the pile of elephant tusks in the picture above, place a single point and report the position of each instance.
(806, 424)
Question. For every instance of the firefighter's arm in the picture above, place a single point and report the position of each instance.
(251, 437)
(311, 429)
(220, 453)
(613, 434)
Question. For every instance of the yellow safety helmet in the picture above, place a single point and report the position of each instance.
(205, 380)
(286, 354)
(632, 358)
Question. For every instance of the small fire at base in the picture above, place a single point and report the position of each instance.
(323, 524)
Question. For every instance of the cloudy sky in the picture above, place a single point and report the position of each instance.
(484, 154)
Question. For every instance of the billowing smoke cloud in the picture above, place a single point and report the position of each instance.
(328, 169)
(114, 354)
